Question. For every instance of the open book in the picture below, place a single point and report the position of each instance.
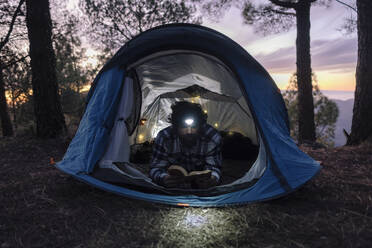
(178, 171)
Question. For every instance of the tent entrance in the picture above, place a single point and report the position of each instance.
(160, 81)
(196, 77)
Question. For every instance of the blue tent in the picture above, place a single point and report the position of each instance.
(154, 69)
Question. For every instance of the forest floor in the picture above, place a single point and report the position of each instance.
(43, 207)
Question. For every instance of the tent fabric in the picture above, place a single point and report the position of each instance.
(164, 78)
(182, 68)
(90, 140)
(224, 112)
(286, 167)
(268, 187)
(119, 148)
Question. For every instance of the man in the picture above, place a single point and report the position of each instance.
(189, 142)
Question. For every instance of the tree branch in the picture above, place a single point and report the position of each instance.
(6, 39)
(121, 31)
(347, 5)
(283, 12)
(15, 61)
(284, 4)
(123, 21)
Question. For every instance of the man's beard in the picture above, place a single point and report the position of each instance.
(189, 139)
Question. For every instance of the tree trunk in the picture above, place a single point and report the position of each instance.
(50, 121)
(306, 126)
(6, 124)
(361, 128)
(14, 107)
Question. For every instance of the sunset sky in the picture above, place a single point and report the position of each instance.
(333, 53)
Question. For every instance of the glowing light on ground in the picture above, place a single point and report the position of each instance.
(194, 220)
(200, 227)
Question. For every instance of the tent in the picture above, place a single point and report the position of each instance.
(129, 101)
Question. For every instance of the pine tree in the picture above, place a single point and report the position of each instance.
(361, 129)
(50, 121)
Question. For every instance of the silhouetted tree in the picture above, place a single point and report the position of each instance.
(73, 68)
(350, 24)
(17, 81)
(8, 15)
(326, 111)
(361, 128)
(50, 121)
(270, 15)
(6, 123)
(115, 22)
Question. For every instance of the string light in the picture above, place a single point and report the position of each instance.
(142, 122)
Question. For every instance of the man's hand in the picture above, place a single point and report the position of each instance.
(206, 183)
(172, 181)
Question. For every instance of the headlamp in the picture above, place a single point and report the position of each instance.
(189, 122)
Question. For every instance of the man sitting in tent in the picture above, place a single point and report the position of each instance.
(192, 145)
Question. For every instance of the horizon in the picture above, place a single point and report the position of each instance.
(342, 95)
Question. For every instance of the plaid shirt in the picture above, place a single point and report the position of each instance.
(205, 154)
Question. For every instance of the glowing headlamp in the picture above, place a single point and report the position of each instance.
(189, 122)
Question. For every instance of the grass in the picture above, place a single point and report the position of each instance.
(42, 207)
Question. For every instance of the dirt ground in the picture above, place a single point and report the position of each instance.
(42, 207)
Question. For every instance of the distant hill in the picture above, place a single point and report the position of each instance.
(345, 116)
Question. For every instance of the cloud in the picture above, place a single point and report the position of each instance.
(231, 24)
(337, 55)
(281, 60)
